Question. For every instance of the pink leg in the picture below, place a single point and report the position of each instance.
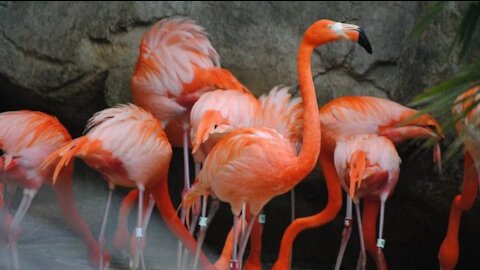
(254, 260)
(204, 225)
(66, 201)
(121, 239)
(363, 256)
(380, 240)
(101, 236)
(139, 230)
(347, 230)
(243, 243)
(28, 195)
(234, 264)
(181, 258)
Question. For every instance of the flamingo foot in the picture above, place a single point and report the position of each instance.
(234, 265)
(362, 261)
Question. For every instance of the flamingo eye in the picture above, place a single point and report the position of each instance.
(1, 152)
(215, 126)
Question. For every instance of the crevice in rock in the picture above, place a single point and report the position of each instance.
(34, 54)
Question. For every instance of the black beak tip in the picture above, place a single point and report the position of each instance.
(363, 41)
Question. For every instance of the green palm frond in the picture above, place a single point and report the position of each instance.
(428, 18)
(463, 37)
(439, 99)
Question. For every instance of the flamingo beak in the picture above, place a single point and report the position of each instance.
(8, 162)
(195, 145)
(355, 33)
(363, 40)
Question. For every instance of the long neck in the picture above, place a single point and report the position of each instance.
(311, 123)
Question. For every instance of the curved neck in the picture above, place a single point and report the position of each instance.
(311, 123)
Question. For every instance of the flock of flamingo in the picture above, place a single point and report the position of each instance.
(246, 150)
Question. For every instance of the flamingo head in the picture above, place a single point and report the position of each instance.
(324, 31)
(411, 125)
(211, 124)
(415, 126)
(7, 162)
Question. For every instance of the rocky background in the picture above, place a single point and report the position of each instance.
(73, 59)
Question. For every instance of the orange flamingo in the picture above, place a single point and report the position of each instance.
(129, 148)
(176, 65)
(465, 105)
(26, 139)
(239, 168)
(219, 112)
(367, 165)
(347, 116)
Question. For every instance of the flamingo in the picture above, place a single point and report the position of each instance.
(367, 165)
(127, 145)
(346, 116)
(252, 165)
(176, 65)
(26, 139)
(465, 105)
(219, 112)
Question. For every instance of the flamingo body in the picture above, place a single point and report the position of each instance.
(126, 144)
(176, 65)
(379, 175)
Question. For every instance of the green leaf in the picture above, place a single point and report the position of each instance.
(427, 19)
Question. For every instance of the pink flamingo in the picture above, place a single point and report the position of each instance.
(129, 148)
(367, 165)
(219, 112)
(26, 139)
(347, 116)
(465, 105)
(239, 168)
(176, 65)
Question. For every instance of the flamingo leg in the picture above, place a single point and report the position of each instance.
(146, 220)
(234, 264)
(243, 243)
(66, 201)
(195, 214)
(28, 195)
(193, 222)
(326, 215)
(347, 230)
(371, 207)
(10, 190)
(148, 213)
(139, 231)
(204, 225)
(101, 236)
(254, 261)
(121, 239)
(5, 202)
(449, 249)
(244, 210)
(380, 240)
(363, 256)
(181, 258)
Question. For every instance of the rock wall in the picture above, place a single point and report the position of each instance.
(73, 59)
